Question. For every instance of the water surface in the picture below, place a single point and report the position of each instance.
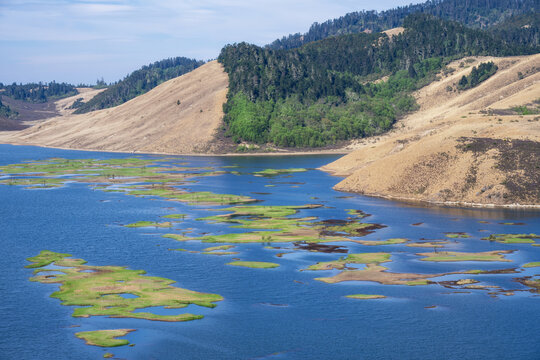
(266, 313)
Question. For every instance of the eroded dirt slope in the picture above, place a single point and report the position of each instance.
(179, 116)
(465, 147)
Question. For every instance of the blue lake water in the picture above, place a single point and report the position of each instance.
(266, 313)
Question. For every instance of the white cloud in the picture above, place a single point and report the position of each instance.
(132, 32)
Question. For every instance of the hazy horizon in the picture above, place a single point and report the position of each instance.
(79, 41)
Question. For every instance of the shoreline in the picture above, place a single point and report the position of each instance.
(452, 204)
(413, 201)
(293, 153)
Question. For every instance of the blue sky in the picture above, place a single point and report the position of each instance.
(78, 41)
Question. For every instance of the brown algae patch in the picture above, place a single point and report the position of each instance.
(446, 256)
(100, 288)
(531, 282)
(362, 258)
(365, 296)
(377, 273)
(254, 264)
(318, 247)
(105, 338)
(219, 250)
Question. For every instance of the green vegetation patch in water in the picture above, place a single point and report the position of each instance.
(445, 256)
(150, 224)
(383, 242)
(104, 338)
(99, 290)
(513, 238)
(365, 296)
(45, 258)
(275, 172)
(273, 218)
(457, 235)
(254, 264)
(532, 264)
(175, 216)
(218, 248)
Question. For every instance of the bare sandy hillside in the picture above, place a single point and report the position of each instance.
(179, 116)
(466, 147)
(85, 94)
(394, 31)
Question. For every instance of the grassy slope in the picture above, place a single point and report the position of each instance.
(153, 122)
(420, 161)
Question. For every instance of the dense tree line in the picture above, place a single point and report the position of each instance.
(477, 75)
(140, 82)
(320, 93)
(473, 13)
(38, 92)
(520, 29)
(6, 112)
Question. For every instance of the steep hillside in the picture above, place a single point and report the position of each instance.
(323, 93)
(178, 116)
(67, 106)
(467, 147)
(139, 82)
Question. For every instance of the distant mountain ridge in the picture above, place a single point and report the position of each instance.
(472, 13)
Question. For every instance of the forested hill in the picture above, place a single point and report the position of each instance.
(38, 92)
(473, 13)
(140, 82)
(321, 93)
(519, 29)
(6, 112)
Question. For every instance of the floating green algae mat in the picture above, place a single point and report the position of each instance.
(220, 253)
(150, 224)
(274, 219)
(254, 264)
(177, 237)
(99, 289)
(532, 264)
(194, 198)
(217, 248)
(365, 296)
(275, 172)
(457, 235)
(105, 338)
(445, 256)
(430, 244)
(382, 242)
(148, 173)
(513, 238)
(175, 216)
(45, 258)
